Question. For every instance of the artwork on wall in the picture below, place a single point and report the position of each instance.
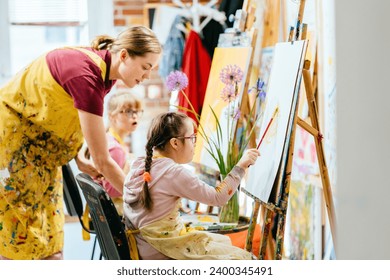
(239, 56)
(283, 83)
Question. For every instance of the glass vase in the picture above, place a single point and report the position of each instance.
(230, 212)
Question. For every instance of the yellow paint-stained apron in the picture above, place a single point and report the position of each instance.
(39, 132)
(170, 237)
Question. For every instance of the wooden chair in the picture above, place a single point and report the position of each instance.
(108, 225)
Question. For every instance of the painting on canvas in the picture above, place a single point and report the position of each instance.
(282, 85)
(239, 56)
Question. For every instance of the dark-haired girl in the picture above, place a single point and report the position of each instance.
(156, 184)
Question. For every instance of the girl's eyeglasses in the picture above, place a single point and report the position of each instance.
(132, 113)
(192, 137)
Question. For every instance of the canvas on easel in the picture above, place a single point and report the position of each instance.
(282, 184)
(275, 207)
(284, 81)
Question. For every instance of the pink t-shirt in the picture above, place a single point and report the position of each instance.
(118, 153)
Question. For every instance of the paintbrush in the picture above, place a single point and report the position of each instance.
(269, 124)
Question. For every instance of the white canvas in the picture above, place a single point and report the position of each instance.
(284, 78)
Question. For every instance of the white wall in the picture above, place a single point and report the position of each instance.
(5, 70)
(363, 129)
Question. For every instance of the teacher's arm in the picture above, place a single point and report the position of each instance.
(94, 133)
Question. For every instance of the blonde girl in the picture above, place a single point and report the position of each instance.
(124, 111)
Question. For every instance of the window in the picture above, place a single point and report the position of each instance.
(41, 25)
(47, 12)
(29, 29)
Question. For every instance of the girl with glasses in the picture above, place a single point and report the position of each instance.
(154, 188)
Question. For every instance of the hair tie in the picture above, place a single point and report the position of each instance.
(147, 177)
(102, 45)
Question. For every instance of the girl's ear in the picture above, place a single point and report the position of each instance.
(174, 143)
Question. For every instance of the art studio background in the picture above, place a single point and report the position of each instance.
(349, 43)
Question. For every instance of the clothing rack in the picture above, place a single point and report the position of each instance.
(196, 11)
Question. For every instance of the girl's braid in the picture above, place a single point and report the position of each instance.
(146, 199)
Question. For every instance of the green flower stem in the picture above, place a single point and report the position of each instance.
(230, 212)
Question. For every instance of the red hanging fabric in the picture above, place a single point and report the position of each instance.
(196, 65)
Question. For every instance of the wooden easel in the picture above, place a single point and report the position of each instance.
(282, 183)
(269, 38)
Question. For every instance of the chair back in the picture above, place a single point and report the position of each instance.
(107, 223)
(72, 196)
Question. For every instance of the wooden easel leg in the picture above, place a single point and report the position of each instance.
(266, 229)
(280, 237)
(284, 198)
(252, 226)
(270, 248)
(320, 151)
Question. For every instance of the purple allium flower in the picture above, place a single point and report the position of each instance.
(177, 80)
(229, 93)
(231, 74)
